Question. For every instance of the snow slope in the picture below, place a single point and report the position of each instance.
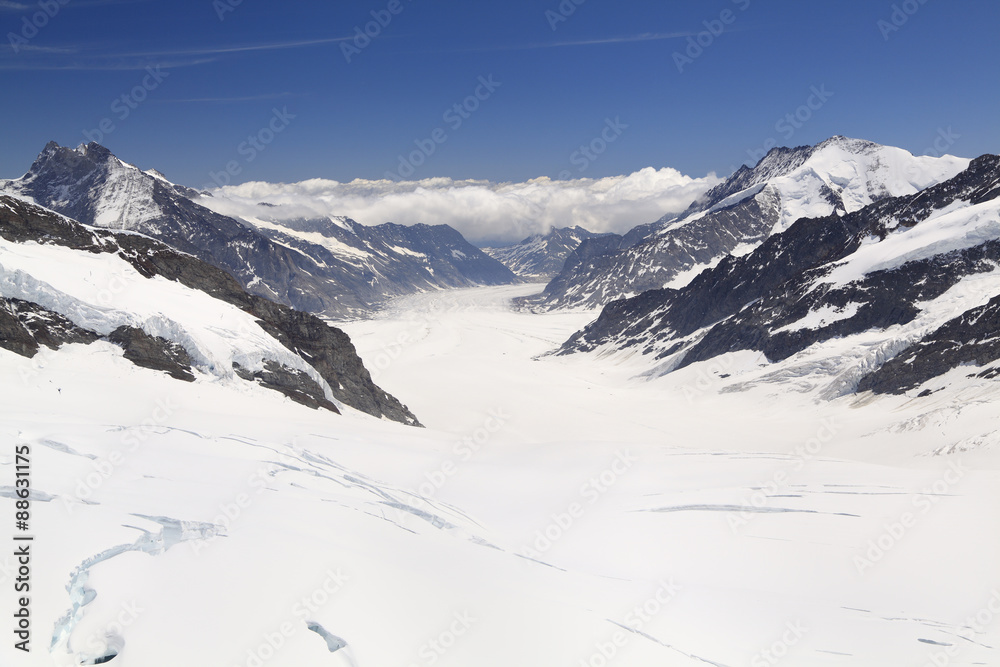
(837, 176)
(858, 172)
(169, 311)
(833, 299)
(556, 511)
(541, 255)
(102, 292)
(332, 266)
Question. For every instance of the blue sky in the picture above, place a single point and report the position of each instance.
(561, 76)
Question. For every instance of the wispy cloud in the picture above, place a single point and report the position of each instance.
(595, 41)
(108, 64)
(484, 212)
(229, 100)
(87, 57)
(31, 48)
(245, 48)
(8, 6)
(626, 39)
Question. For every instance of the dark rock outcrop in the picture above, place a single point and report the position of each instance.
(26, 326)
(92, 186)
(973, 338)
(742, 211)
(328, 349)
(153, 352)
(753, 302)
(295, 384)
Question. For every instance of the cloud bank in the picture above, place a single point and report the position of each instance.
(484, 212)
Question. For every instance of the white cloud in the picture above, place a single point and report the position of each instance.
(482, 211)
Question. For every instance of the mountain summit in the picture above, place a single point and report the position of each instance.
(338, 270)
(541, 256)
(837, 176)
(891, 298)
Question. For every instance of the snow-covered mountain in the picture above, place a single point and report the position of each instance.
(193, 499)
(63, 283)
(892, 298)
(338, 270)
(375, 263)
(839, 175)
(541, 256)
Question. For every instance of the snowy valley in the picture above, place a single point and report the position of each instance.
(783, 448)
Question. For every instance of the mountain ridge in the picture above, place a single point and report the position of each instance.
(91, 185)
(268, 343)
(542, 256)
(838, 175)
(882, 269)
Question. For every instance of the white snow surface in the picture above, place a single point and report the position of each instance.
(556, 509)
(956, 228)
(860, 172)
(102, 292)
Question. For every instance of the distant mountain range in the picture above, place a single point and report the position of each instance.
(848, 264)
(541, 256)
(62, 283)
(837, 176)
(334, 267)
(890, 297)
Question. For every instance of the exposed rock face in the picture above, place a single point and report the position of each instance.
(154, 352)
(291, 382)
(763, 301)
(326, 348)
(837, 176)
(355, 269)
(25, 327)
(972, 338)
(373, 264)
(542, 256)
